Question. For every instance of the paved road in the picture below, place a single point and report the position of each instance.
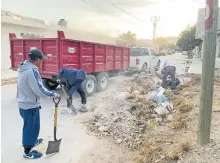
(75, 141)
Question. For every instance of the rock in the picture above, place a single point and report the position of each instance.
(136, 92)
(141, 90)
(161, 110)
(143, 98)
(118, 141)
(159, 120)
(154, 115)
(103, 128)
(169, 118)
(97, 124)
(123, 95)
(186, 94)
(135, 76)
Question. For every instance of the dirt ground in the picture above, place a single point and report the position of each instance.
(129, 130)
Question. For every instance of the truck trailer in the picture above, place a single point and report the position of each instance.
(100, 61)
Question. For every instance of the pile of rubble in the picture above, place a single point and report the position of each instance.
(126, 114)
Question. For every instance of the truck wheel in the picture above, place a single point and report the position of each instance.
(50, 84)
(102, 79)
(90, 85)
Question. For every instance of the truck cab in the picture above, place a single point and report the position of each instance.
(143, 59)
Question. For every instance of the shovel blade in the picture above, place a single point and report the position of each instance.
(53, 147)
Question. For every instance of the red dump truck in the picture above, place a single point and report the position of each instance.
(100, 61)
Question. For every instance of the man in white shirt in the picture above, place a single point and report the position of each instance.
(169, 68)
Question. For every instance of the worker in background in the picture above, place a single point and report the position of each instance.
(29, 91)
(168, 68)
(74, 79)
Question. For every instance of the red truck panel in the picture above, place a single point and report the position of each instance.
(67, 53)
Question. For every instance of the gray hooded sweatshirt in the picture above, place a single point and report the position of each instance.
(30, 87)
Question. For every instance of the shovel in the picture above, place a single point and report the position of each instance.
(71, 105)
(54, 146)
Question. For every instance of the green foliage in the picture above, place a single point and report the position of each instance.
(129, 37)
(186, 40)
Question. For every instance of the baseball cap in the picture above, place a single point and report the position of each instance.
(35, 54)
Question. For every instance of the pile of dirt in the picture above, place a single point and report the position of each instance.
(126, 114)
(129, 117)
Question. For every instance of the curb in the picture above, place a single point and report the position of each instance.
(8, 81)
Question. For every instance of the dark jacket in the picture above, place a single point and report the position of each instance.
(71, 75)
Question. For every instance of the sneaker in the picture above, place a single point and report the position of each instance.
(83, 108)
(33, 155)
(39, 141)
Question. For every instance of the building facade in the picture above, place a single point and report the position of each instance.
(25, 27)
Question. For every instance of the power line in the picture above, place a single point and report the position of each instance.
(124, 11)
(106, 12)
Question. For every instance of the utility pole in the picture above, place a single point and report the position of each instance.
(155, 20)
(208, 65)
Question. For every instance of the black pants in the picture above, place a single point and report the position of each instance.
(75, 87)
(168, 71)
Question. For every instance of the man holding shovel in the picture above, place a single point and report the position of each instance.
(29, 91)
(73, 79)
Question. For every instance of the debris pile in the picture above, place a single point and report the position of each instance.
(127, 114)
(142, 115)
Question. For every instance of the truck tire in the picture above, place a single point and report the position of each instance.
(102, 79)
(50, 84)
(90, 85)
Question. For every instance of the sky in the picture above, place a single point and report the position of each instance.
(112, 17)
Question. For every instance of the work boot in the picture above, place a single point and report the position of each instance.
(83, 108)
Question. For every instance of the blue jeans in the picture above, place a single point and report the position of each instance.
(76, 87)
(31, 127)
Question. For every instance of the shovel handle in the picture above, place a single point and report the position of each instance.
(63, 89)
(55, 122)
(56, 101)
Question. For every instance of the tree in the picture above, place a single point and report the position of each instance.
(187, 40)
(129, 38)
(161, 42)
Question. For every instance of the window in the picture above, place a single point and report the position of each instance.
(139, 51)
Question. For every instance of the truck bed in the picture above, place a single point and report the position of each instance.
(68, 53)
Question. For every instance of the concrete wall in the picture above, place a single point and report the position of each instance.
(10, 25)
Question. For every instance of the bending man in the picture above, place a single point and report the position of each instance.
(169, 68)
(73, 79)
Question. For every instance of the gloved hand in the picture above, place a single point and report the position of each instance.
(58, 80)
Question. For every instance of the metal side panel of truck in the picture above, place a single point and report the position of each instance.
(100, 61)
(143, 58)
